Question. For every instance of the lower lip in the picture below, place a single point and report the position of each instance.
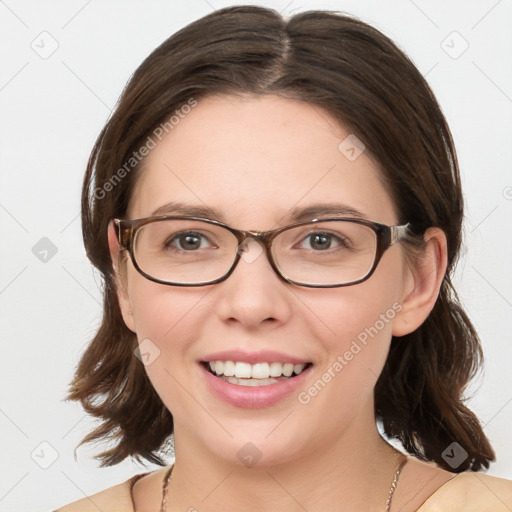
(257, 397)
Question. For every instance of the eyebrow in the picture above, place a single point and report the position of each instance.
(325, 209)
(295, 215)
(175, 207)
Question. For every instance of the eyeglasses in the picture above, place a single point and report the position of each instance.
(195, 251)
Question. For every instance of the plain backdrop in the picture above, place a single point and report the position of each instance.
(63, 66)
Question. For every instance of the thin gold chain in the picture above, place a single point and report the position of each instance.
(167, 479)
(163, 507)
(395, 483)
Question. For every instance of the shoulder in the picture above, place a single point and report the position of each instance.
(471, 492)
(114, 499)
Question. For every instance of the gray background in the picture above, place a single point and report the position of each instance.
(53, 105)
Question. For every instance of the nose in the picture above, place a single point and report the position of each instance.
(253, 295)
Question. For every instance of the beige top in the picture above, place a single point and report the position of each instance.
(466, 492)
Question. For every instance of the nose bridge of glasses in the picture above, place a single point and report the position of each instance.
(261, 244)
(258, 236)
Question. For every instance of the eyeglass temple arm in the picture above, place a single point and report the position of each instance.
(121, 233)
(398, 233)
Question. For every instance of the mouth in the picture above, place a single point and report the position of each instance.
(254, 375)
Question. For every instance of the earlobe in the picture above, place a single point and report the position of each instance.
(422, 283)
(121, 288)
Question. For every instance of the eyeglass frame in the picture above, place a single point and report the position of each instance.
(386, 237)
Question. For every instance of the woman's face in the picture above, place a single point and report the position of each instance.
(255, 161)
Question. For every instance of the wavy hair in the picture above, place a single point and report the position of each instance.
(370, 86)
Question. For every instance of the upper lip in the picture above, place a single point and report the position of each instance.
(262, 356)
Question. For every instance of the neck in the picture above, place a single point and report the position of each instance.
(354, 471)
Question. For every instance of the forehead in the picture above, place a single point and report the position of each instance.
(256, 161)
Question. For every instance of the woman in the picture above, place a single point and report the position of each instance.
(275, 207)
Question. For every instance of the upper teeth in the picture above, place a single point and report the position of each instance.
(255, 371)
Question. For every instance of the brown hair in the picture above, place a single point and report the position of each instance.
(363, 80)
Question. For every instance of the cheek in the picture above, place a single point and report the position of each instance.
(160, 311)
(354, 325)
(167, 322)
(360, 313)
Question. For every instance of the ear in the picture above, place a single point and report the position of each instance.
(121, 286)
(422, 283)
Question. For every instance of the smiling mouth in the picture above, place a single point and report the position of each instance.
(259, 374)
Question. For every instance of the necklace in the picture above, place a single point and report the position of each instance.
(167, 479)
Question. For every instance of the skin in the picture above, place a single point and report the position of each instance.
(254, 159)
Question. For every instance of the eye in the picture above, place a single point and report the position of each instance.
(187, 241)
(321, 241)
